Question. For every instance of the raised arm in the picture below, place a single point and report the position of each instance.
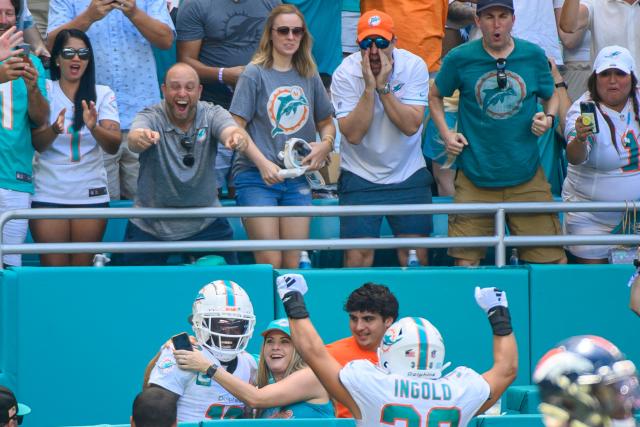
(157, 32)
(505, 350)
(96, 10)
(291, 288)
(574, 16)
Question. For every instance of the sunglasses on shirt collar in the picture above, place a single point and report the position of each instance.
(380, 42)
(188, 160)
(501, 73)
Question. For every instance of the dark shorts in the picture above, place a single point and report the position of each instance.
(353, 190)
(60, 205)
(218, 230)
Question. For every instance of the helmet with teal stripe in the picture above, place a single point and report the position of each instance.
(223, 319)
(412, 346)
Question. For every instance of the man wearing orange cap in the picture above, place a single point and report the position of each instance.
(380, 95)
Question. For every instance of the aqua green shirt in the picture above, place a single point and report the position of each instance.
(351, 5)
(301, 410)
(502, 150)
(16, 151)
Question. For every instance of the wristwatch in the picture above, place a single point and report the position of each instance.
(211, 371)
(562, 84)
(385, 90)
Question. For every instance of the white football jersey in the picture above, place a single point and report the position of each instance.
(201, 398)
(397, 400)
(71, 170)
(611, 171)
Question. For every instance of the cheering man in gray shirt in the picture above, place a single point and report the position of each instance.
(178, 140)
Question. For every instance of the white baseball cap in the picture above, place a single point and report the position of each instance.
(616, 57)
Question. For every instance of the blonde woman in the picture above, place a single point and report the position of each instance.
(286, 387)
(280, 96)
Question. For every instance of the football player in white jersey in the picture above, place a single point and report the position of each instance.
(223, 323)
(406, 387)
(585, 381)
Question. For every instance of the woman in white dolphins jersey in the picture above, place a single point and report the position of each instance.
(280, 96)
(603, 166)
(68, 170)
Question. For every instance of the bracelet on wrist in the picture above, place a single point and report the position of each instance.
(220, 75)
(562, 84)
(330, 139)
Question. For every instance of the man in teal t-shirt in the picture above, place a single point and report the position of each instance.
(500, 80)
(22, 106)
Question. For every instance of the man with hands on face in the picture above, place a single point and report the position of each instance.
(380, 95)
(24, 106)
(177, 140)
(500, 79)
(122, 34)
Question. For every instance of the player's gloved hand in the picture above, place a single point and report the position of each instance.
(494, 302)
(488, 298)
(291, 288)
(291, 282)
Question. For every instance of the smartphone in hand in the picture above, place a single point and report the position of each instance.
(589, 116)
(182, 342)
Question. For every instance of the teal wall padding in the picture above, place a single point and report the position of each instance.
(444, 296)
(85, 335)
(582, 299)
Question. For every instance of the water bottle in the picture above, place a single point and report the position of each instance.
(514, 260)
(412, 259)
(100, 260)
(305, 261)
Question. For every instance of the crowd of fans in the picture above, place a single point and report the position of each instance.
(476, 100)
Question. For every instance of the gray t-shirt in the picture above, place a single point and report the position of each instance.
(278, 105)
(230, 32)
(165, 181)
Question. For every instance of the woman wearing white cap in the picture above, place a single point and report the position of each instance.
(603, 166)
(287, 387)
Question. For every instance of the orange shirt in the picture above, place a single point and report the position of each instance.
(419, 25)
(344, 351)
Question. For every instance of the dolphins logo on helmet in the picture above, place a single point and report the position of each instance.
(223, 319)
(412, 346)
(586, 381)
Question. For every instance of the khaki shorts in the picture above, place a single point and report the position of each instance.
(535, 190)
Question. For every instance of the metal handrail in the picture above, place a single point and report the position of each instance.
(499, 241)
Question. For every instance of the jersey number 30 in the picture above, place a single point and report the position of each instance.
(437, 417)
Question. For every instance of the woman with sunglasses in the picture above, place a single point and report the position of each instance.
(280, 96)
(68, 168)
(603, 151)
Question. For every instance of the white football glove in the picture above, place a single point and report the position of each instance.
(291, 282)
(488, 298)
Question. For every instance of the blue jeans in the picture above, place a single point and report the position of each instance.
(251, 190)
(218, 230)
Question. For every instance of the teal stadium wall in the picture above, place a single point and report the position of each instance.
(75, 341)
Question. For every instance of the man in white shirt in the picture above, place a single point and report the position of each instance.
(612, 22)
(380, 95)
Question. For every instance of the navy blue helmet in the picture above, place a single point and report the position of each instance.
(586, 381)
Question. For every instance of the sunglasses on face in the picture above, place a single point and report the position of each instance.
(285, 31)
(188, 160)
(70, 53)
(501, 73)
(381, 43)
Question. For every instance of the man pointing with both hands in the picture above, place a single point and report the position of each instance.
(177, 140)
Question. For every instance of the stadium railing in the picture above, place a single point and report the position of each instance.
(500, 240)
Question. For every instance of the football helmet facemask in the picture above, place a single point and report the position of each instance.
(586, 381)
(223, 319)
(412, 346)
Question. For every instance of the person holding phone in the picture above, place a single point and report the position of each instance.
(603, 166)
(280, 96)
(223, 323)
(287, 387)
(68, 168)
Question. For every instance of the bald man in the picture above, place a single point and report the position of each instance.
(177, 140)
